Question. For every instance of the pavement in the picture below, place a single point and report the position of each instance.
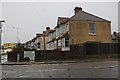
(62, 61)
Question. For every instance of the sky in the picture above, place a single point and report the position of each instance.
(33, 17)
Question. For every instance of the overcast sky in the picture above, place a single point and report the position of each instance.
(33, 17)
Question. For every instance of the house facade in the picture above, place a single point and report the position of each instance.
(39, 42)
(62, 34)
(81, 28)
(51, 45)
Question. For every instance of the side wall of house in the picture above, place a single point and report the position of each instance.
(79, 32)
(42, 43)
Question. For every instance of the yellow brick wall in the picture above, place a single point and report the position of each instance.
(42, 42)
(79, 32)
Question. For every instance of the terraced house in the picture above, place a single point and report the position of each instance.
(81, 28)
(39, 41)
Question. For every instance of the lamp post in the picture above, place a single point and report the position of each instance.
(1, 21)
(18, 56)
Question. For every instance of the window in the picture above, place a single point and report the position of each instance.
(62, 29)
(92, 28)
(55, 43)
(66, 42)
(63, 42)
(67, 27)
(59, 43)
(38, 45)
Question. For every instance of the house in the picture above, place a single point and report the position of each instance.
(116, 37)
(39, 41)
(51, 40)
(44, 39)
(81, 28)
(27, 45)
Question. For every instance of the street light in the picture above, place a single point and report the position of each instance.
(1, 21)
(18, 56)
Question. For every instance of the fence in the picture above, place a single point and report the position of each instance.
(81, 51)
(106, 49)
(76, 51)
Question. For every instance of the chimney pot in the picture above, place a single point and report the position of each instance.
(114, 32)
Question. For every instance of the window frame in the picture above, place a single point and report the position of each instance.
(68, 42)
(90, 32)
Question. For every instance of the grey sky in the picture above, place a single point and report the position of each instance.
(33, 17)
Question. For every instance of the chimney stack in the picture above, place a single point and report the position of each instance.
(47, 28)
(44, 32)
(77, 9)
(115, 33)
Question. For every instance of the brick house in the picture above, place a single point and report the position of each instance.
(42, 39)
(51, 40)
(81, 28)
(39, 42)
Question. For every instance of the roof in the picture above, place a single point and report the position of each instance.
(51, 40)
(39, 34)
(2, 21)
(81, 16)
(84, 16)
(62, 20)
(51, 31)
(65, 35)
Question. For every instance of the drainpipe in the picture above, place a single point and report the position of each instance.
(44, 41)
(57, 44)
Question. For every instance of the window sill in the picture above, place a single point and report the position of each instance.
(92, 34)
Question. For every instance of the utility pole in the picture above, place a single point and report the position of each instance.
(1, 21)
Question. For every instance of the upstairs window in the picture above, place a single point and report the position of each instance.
(66, 42)
(91, 29)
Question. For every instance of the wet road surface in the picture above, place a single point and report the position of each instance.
(104, 69)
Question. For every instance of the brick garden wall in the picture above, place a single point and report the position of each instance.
(76, 51)
(81, 51)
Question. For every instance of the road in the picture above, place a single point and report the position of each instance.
(103, 69)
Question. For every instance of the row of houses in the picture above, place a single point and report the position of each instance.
(80, 28)
(39, 41)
